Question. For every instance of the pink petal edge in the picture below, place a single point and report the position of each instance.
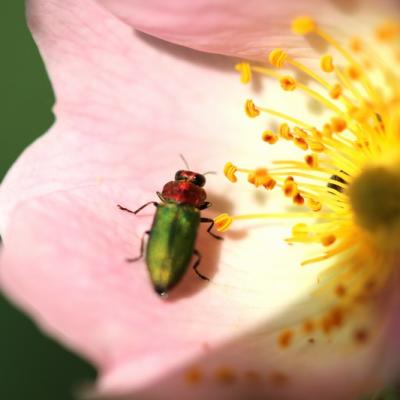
(247, 29)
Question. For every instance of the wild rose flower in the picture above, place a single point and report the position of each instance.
(127, 105)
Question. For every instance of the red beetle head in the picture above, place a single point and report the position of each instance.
(190, 176)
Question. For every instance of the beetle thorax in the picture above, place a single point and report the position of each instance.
(184, 192)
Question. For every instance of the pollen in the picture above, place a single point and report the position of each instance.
(356, 44)
(277, 58)
(245, 72)
(313, 204)
(354, 72)
(194, 375)
(344, 176)
(328, 240)
(270, 137)
(338, 124)
(251, 110)
(230, 171)
(336, 91)
(284, 132)
(327, 63)
(285, 338)
(225, 375)
(259, 177)
(288, 83)
(311, 160)
(303, 25)
(387, 31)
(223, 222)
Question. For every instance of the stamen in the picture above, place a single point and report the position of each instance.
(251, 110)
(223, 221)
(303, 25)
(327, 63)
(245, 72)
(270, 137)
(348, 179)
(288, 83)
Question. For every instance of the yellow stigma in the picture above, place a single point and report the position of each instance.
(346, 180)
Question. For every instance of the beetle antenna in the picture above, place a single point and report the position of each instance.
(184, 161)
(210, 172)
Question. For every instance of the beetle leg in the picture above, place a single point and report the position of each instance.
(205, 205)
(139, 209)
(130, 260)
(196, 265)
(161, 197)
(211, 221)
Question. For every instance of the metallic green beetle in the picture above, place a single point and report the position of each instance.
(174, 230)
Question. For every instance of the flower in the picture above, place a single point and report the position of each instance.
(127, 105)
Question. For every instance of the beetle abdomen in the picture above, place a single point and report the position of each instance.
(171, 243)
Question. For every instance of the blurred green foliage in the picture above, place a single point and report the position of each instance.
(31, 366)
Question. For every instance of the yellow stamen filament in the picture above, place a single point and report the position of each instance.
(223, 221)
(285, 117)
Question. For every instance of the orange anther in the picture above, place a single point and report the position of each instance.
(285, 338)
(288, 83)
(251, 110)
(270, 137)
(338, 124)
(328, 240)
(277, 58)
(326, 63)
(298, 199)
(336, 92)
(314, 205)
(311, 160)
(244, 69)
(223, 222)
(303, 25)
(229, 172)
(300, 142)
(284, 131)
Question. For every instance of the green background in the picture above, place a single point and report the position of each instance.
(33, 367)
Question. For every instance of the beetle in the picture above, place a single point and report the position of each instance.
(173, 233)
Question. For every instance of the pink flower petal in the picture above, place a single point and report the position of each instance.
(248, 29)
(127, 105)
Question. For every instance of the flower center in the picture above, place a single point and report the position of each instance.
(375, 199)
